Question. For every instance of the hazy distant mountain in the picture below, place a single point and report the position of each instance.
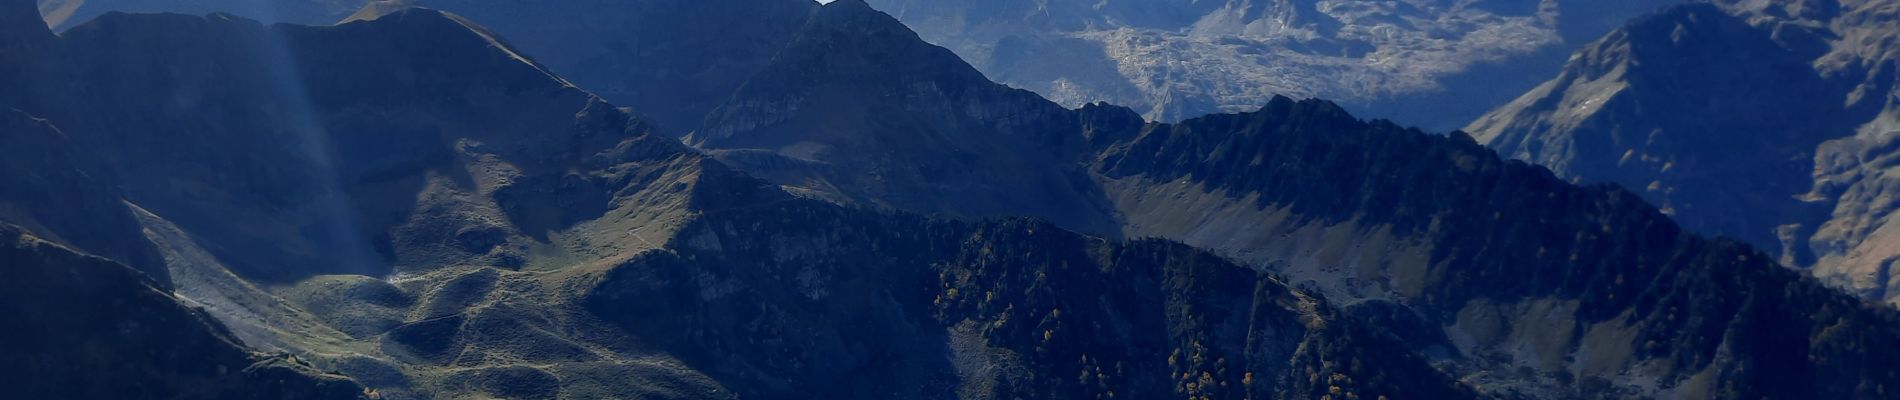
(1764, 121)
(1432, 62)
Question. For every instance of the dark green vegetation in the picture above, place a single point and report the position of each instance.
(408, 200)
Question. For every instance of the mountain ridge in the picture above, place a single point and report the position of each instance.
(1758, 120)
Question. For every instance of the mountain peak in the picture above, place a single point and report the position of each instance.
(859, 16)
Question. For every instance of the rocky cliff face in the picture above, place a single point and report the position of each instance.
(1177, 60)
(1762, 121)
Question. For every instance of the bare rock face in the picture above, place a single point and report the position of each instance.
(1763, 121)
(1437, 63)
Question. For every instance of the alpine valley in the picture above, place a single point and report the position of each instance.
(688, 199)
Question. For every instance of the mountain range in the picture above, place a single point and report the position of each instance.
(1438, 63)
(409, 205)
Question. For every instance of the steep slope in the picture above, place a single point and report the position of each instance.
(84, 327)
(857, 109)
(1763, 121)
(1432, 62)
